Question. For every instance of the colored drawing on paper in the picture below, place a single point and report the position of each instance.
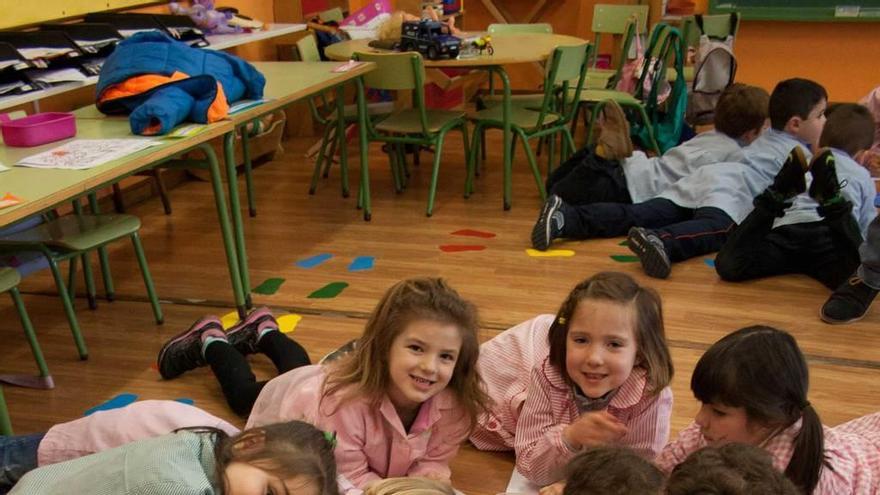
(473, 233)
(120, 400)
(313, 261)
(361, 263)
(329, 291)
(550, 253)
(288, 323)
(269, 286)
(455, 248)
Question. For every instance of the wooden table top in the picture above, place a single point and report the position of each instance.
(42, 189)
(509, 49)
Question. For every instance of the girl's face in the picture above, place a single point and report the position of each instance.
(722, 424)
(601, 346)
(421, 362)
(244, 479)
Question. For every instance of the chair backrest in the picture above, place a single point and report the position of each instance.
(717, 26)
(535, 27)
(395, 72)
(615, 19)
(567, 65)
(308, 49)
(331, 15)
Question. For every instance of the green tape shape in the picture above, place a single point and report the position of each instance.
(624, 258)
(269, 286)
(329, 291)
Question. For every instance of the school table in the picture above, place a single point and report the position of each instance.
(286, 83)
(508, 49)
(44, 189)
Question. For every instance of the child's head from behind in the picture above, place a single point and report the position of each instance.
(611, 471)
(752, 383)
(607, 325)
(292, 457)
(797, 106)
(741, 112)
(420, 338)
(732, 469)
(850, 127)
(409, 486)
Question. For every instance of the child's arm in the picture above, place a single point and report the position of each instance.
(689, 440)
(350, 451)
(649, 429)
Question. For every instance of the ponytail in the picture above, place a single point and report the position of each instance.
(809, 447)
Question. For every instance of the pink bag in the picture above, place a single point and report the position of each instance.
(629, 74)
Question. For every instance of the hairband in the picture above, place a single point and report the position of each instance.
(330, 436)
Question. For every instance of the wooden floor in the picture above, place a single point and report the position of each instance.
(186, 258)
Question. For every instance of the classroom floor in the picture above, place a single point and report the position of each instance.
(187, 261)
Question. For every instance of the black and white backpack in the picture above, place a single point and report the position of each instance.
(714, 71)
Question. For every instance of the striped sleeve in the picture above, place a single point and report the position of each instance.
(648, 429)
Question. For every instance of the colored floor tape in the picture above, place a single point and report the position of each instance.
(287, 323)
(269, 286)
(229, 320)
(456, 248)
(120, 400)
(184, 400)
(550, 253)
(329, 291)
(625, 258)
(473, 233)
(314, 260)
(361, 263)
(709, 261)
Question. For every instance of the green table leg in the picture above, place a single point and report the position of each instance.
(340, 135)
(508, 135)
(364, 199)
(5, 423)
(248, 168)
(229, 243)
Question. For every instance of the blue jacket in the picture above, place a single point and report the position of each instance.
(172, 103)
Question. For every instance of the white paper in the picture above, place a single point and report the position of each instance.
(43, 52)
(3, 168)
(81, 154)
(57, 75)
(520, 485)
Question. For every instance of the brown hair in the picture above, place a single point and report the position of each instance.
(365, 371)
(741, 108)
(732, 469)
(284, 450)
(651, 350)
(409, 486)
(611, 471)
(850, 127)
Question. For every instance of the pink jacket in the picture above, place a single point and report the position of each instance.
(372, 443)
(852, 451)
(533, 404)
(108, 429)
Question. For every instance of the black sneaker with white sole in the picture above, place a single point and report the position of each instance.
(546, 228)
(848, 303)
(651, 252)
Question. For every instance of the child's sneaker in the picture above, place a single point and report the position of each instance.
(651, 252)
(184, 352)
(344, 350)
(614, 141)
(825, 188)
(790, 180)
(549, 224)
(848, 303)
(245, 334)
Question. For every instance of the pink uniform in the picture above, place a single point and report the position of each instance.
(852, 453)
(372, 443)
(108, 429)
(533, 404)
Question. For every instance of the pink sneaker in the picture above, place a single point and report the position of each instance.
(184, 351)
(244, 335)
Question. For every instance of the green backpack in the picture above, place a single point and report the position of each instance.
(666, 117)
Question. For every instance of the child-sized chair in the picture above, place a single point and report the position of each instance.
(418, 125)
(72, 236)
(529, 121)
(9, 279)
(614, 20)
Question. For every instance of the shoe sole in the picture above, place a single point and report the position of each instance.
(177, 338)
(827, 319)
(541, 231)
(652, 262)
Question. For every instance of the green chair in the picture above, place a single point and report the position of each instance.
(418, 125)
(325, 114)
(5, 423)
(614, 20)
(332, 15)
(551, 117)
(73, 236)
(535, 27)
(9, 279)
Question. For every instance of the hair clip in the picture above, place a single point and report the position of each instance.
(330, 436)
(561, 320)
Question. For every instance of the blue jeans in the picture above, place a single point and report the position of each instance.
(18, 455)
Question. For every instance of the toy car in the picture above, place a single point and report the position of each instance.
(430, 38)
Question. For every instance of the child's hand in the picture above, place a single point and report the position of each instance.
(554, 489)
(594, 428)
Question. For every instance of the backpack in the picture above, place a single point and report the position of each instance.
(714, 71)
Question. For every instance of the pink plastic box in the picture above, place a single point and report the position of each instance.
(37, 129)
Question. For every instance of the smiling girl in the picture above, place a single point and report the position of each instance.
(403, 401)
(597, 373)
(753, 388)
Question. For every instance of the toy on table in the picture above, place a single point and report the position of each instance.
(432, 39)
(484, 43)
(206, 17)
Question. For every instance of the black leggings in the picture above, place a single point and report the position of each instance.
(232, 370)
